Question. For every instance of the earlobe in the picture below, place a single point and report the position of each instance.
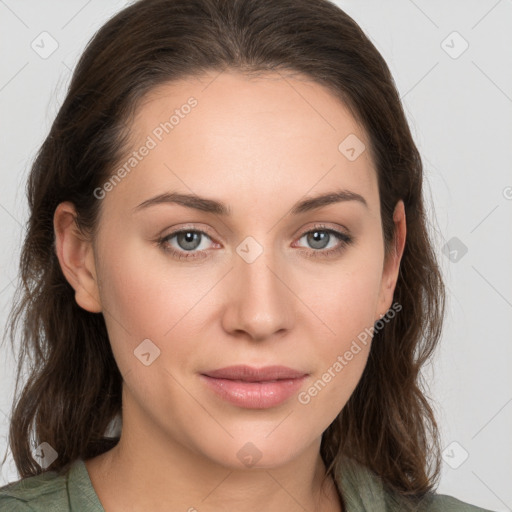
(392, 264)
(76, 258)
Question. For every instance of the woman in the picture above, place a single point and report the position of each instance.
(227, 251)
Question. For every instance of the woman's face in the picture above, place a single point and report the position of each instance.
(258, 281)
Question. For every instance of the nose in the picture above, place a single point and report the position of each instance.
(260, 302)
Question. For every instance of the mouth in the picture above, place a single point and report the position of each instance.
(254, 388)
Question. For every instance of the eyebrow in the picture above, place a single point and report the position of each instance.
(212, 206)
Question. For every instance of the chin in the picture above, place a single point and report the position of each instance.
(256, 450)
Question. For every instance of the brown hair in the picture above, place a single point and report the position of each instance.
(74, 386)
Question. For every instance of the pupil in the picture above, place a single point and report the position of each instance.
(188, 240)
(319, 237)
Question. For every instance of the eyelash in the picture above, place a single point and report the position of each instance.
(345, 240)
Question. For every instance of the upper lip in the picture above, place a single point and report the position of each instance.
(251, 374)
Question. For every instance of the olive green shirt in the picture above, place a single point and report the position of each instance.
(72, 490)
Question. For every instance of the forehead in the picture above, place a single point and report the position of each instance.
(225, 134)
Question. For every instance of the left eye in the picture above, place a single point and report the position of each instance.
(320, 238)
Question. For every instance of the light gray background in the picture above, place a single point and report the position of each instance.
(460, 111)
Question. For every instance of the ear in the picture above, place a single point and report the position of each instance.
(392, 262)
(76, 257)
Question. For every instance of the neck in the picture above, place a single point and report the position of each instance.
(175, 478)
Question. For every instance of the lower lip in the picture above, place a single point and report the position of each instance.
(254, 395)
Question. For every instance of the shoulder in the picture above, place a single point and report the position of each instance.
(34, 492)
(11, 504)
(444, 503)
(431, 502)
(46, 491)
(362, 489)
(50, 490)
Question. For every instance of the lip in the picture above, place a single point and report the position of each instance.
(254, 388)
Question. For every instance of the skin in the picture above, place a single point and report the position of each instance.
(259, 146)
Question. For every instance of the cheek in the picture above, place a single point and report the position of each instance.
(347, 309)
(345, 300)
(143, 297)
